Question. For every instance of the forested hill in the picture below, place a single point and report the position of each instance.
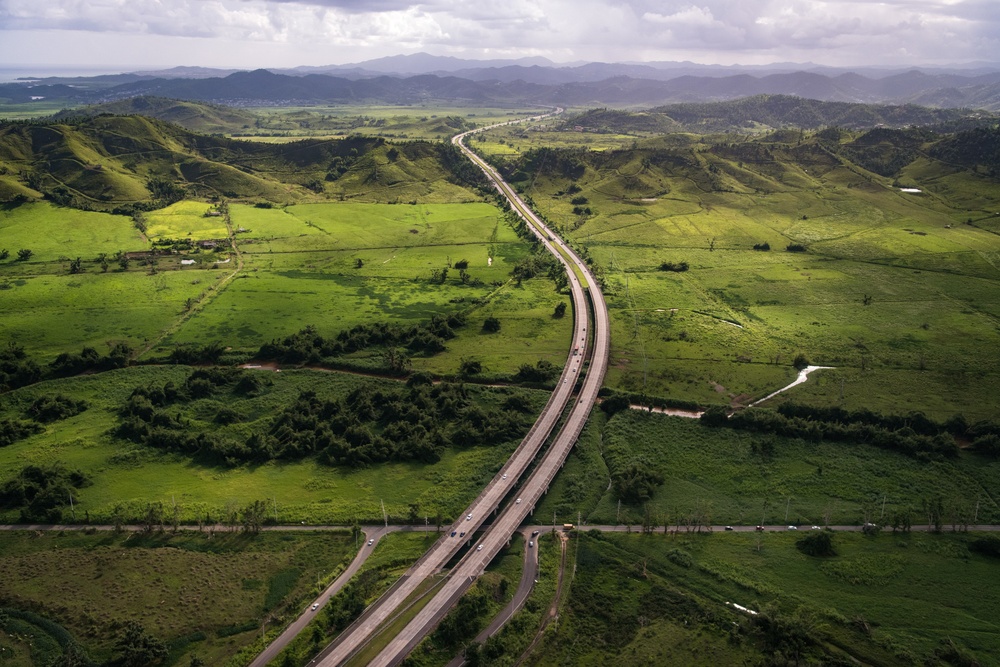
(124, 162)
(198, 117)
(767, 112)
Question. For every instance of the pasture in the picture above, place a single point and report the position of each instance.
(896, 290)
(887, 600)
(127, 477)
(203, 594)
(737, 477)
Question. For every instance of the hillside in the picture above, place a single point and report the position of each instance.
(204, 118)
(115, 162)
(767, 112)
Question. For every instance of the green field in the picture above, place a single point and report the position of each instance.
(203, 594)
(716, 474)
(127, 477)
(895, 290)
(887, 600)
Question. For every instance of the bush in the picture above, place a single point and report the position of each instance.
(817, 543)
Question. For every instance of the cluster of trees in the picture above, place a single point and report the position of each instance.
(542, 371)
(12, 430)
(308, 346)
(678, 267)
(47, 409)
(41, 493)
(369, 425)
(913, 435)
(635, 483)
(89, 359)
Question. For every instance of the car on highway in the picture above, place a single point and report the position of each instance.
(759, 529)
(371, 541)
(517, 502)
(468, 517)
(462, 534)
(815, 528)
(530, 544)
(504, 476)
(479, 548)
(454, 533)
(729, 527)
(793, 528)
(315, 606)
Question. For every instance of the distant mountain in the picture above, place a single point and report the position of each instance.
(263, 87)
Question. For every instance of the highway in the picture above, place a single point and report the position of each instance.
(359, 633)
(514, 514)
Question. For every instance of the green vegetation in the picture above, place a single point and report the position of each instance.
(882, 600)
(195, 594)
(717, 476)
(127, 479)
(894, 289)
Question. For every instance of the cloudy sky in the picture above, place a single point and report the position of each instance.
(130, 34)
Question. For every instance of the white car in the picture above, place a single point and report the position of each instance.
(793, 528)
(468, 517)
(531, 544)
(371, 541)
(504, 476)
(517, 502)
(479, 548)
(315, 606)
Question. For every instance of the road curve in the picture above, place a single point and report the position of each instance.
(529, 575)
(495, 538)
(359, 633)
(372, 537)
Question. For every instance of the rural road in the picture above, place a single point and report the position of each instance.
(299, 624)
(529, 575)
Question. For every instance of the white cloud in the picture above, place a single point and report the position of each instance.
(300, 31)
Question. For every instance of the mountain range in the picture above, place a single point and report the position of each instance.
(421, 78)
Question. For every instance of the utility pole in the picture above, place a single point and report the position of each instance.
(882, 515)
(71, 509)
(618, 516)
(786, 508)
(385, 517)
(275, 499)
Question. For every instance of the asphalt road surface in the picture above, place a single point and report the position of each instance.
(316, 606)
(496, 536)
(488, 502)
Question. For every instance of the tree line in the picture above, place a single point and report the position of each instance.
(372, 424)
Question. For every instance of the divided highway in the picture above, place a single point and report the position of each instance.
(355, 637)
(498, 534)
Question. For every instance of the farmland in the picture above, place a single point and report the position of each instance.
(885, 600)
(895, 289)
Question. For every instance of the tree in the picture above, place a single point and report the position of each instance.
(23, 255)
(470, 367)
(800, 361)
(358, 263)
(135, 648)
(4, 254)
(491, 325)
(123, 262)
(560, 310)
(817, 543)
(396, 359)
(76, 265)
(252, 516)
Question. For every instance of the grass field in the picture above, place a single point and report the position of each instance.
(132, 475)
(301, 268)
(895, 289)
(204, 595)
(887, 600)
(715, 472)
